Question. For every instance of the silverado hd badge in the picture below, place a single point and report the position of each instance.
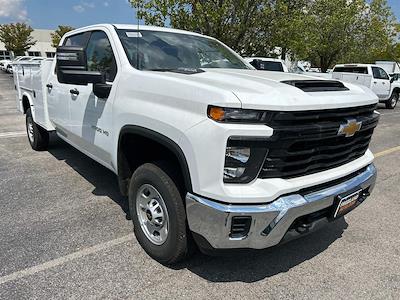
(350, 128)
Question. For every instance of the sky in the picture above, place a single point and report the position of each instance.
(48, 14)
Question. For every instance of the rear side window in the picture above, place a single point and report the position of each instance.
(271, 66)
(379, 73)
(357, 70)
(77, 40)
(100, 56)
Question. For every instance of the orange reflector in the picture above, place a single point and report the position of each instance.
(216, 113)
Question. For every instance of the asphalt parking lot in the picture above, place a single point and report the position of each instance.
(64, 234)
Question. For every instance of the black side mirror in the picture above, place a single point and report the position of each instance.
(72, 67)
(392, 80)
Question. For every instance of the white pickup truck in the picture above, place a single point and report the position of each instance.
(208, 150)
(373, 77)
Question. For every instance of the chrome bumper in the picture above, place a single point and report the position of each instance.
(269, 222)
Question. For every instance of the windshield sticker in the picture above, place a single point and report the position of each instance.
(133, 34)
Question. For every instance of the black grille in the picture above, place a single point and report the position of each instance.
(307, 142)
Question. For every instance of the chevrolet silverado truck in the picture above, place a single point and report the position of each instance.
(373, 77)
(211, 153)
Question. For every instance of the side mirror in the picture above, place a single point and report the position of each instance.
(72, 67)
(392, 80)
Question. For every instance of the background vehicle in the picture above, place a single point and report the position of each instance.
(389, 66)
(209, 151)
(395, 76)
(371, 76)
(267, 64)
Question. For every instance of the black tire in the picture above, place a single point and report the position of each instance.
(37, 136)
(178, 243)
(392, 102)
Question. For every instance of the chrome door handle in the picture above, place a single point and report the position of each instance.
(74, 92)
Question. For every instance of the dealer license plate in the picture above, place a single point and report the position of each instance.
(347, 203)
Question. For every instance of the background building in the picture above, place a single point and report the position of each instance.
(42, 47)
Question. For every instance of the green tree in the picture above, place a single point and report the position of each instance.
(379, 36)
(288, 26)
(241, 24)
(59, 33)
(332, 30)
(17, 37)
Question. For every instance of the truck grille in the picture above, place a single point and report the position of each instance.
(307, 142)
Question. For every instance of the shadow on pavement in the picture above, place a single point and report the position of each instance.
(254, 265)
(104, 181)
(239, 266)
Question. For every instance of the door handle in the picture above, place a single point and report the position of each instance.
(74, 92)
(49, 86)
(375, 82)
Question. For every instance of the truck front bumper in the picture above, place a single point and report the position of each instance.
(225, 226)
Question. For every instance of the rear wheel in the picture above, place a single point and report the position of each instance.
(392, 102)
(158, 214)
(37, 136)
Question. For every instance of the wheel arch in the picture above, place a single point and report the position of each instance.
(124, 169)
(26, 102)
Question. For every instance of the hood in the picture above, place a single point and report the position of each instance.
(265, 90)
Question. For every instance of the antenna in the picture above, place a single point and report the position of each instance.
(137, 35)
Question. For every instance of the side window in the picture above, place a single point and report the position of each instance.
(379, 73)
(78, 40)
(100, 56)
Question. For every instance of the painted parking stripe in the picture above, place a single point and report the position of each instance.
(387, 151)
(12, 134)
(64, 259)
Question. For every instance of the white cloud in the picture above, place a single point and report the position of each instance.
(14, 10)
(78, 8)
(106, 4)
(88, 4)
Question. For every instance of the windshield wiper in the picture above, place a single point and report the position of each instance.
(179, 70)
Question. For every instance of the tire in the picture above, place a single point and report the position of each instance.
(37, 136)
(392, 102)
(158, 214)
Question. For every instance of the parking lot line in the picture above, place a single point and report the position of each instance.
(390, 113)
(387, 151)
(12, 134)
(64, 259)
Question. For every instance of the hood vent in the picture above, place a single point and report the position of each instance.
(317, 85)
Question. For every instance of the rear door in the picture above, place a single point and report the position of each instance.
(58, 94)
(380, 83)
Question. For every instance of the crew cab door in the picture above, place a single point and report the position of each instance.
(58, 94)
(380, 83)
(91, 116)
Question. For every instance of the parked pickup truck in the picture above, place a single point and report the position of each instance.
(372, 76)
(208, 150)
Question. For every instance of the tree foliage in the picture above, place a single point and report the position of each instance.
(322, 31)
(17, 37)
(59, 33)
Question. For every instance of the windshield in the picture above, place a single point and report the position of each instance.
(157, 50)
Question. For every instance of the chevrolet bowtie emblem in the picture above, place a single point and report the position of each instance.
(350, 128)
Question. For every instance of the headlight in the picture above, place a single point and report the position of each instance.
(244, 158)
(237, 115)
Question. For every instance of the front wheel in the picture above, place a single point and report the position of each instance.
(37, 136)
(392, 102)
(158, 214)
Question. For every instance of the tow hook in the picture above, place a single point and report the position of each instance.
(303, 228)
